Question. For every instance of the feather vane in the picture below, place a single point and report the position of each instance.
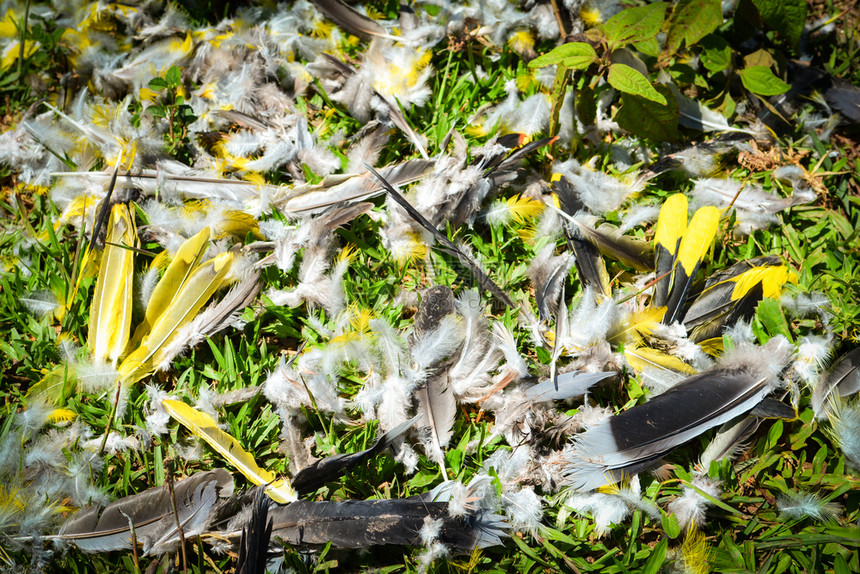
(203, 426)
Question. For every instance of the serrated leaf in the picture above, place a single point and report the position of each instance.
(716, 53)
(626, 79)
(576, 55)
(785, 16)
(649, 119)
(635, 24)
(762, 82)
(692, 20)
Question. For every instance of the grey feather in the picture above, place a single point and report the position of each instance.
(844, 378)
(335, 189)
(571, 384)
(101, 529)
(437, 406)
(349, 19)
(634, 440)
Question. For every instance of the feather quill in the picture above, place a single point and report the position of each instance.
(203, 426)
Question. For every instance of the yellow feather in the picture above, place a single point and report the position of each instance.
(238, 224)
(110, 313)
(641, 358)
(772, 279)
(348, 253)
(62, 415)
(695, 552)
(202, 282)
(640, 323)
(170, 286)
(203, 426)
(714, 347)
(672, 222)
(698, 238)
(52, 387)
(523, 208)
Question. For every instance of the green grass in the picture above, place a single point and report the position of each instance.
(744, 532)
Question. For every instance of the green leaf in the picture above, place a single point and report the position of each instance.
(576, 55)
(692, 20)
(586, 105)
(671, 526)
(649, 119)
(157, 111)
(785, 16)
(762, 82)
(716, 53)
(626, 79)
(157, 84)
(173, 76)
(635, 24)
(769, 312)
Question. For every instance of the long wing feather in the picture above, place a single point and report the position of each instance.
(110, 313)
(185, 261)
(590, 266)
(203, 426)
(364, 523)
(191, 186)
(254, 545)
(348, 188)
(670, 228)
(695, 244)
(207, 278)
(633, 440)
(97, 529)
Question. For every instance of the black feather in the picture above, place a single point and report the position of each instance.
(634, 440)
(483, 280)
(254, 544)
(364, 523)
(333, 467)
